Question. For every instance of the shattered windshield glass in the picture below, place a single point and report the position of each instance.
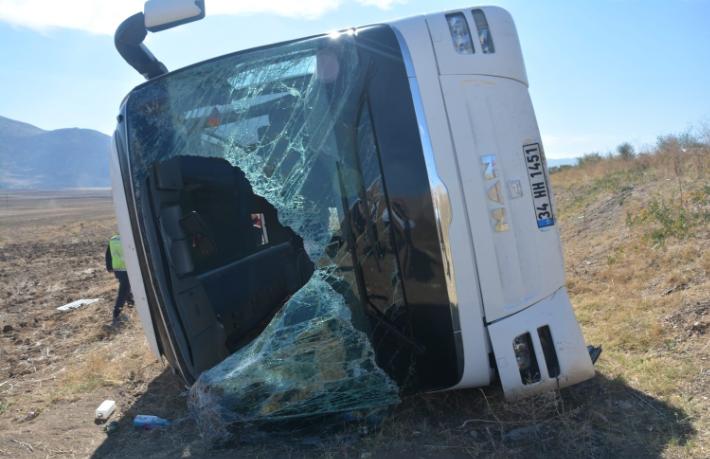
(262, 174)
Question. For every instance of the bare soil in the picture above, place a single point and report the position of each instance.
(56, 368)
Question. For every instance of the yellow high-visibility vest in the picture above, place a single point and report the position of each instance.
(117, 262)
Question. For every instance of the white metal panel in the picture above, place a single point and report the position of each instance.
(129, 251)
(506, 61)
(477, 371)
(518, 263)
(574, 361)
(479, 113)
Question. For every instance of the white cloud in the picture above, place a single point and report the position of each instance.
(309, 9)
(103, 16)
(382, 4)
(89, 15)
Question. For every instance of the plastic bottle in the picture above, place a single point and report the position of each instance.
(105, 410)
(148, 422)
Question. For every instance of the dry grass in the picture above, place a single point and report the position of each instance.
(111, 364)
(636, 236)
(637, 271)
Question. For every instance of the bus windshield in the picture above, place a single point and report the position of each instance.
(261, 172)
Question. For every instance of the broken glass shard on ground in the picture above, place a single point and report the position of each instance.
(310, 361)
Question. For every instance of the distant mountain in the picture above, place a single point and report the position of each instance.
(32, 158)
(557, 162)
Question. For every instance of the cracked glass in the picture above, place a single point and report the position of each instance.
(293, 124)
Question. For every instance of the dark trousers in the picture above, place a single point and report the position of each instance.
(124, 291)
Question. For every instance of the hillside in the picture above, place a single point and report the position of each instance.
(638, 268)
(636, 234)
(31, 158)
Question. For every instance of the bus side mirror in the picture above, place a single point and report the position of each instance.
(164, 14)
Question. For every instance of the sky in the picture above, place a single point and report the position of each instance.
(601, 72)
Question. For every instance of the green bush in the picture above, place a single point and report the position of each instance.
(626, 151)
(662, 220)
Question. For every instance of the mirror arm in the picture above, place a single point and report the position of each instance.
(129, 43)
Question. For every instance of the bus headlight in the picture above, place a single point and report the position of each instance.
(460, 33)
(526, 359)
(484, 32)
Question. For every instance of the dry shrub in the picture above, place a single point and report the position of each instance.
(102, 367)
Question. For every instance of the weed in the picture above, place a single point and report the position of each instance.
(662, 220)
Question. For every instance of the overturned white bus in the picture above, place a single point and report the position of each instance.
(397, 165)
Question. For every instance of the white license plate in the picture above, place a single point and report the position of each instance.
(540, 191)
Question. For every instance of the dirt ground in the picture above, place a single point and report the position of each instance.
(55, 369)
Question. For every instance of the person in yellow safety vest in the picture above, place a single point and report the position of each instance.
(116, 264)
